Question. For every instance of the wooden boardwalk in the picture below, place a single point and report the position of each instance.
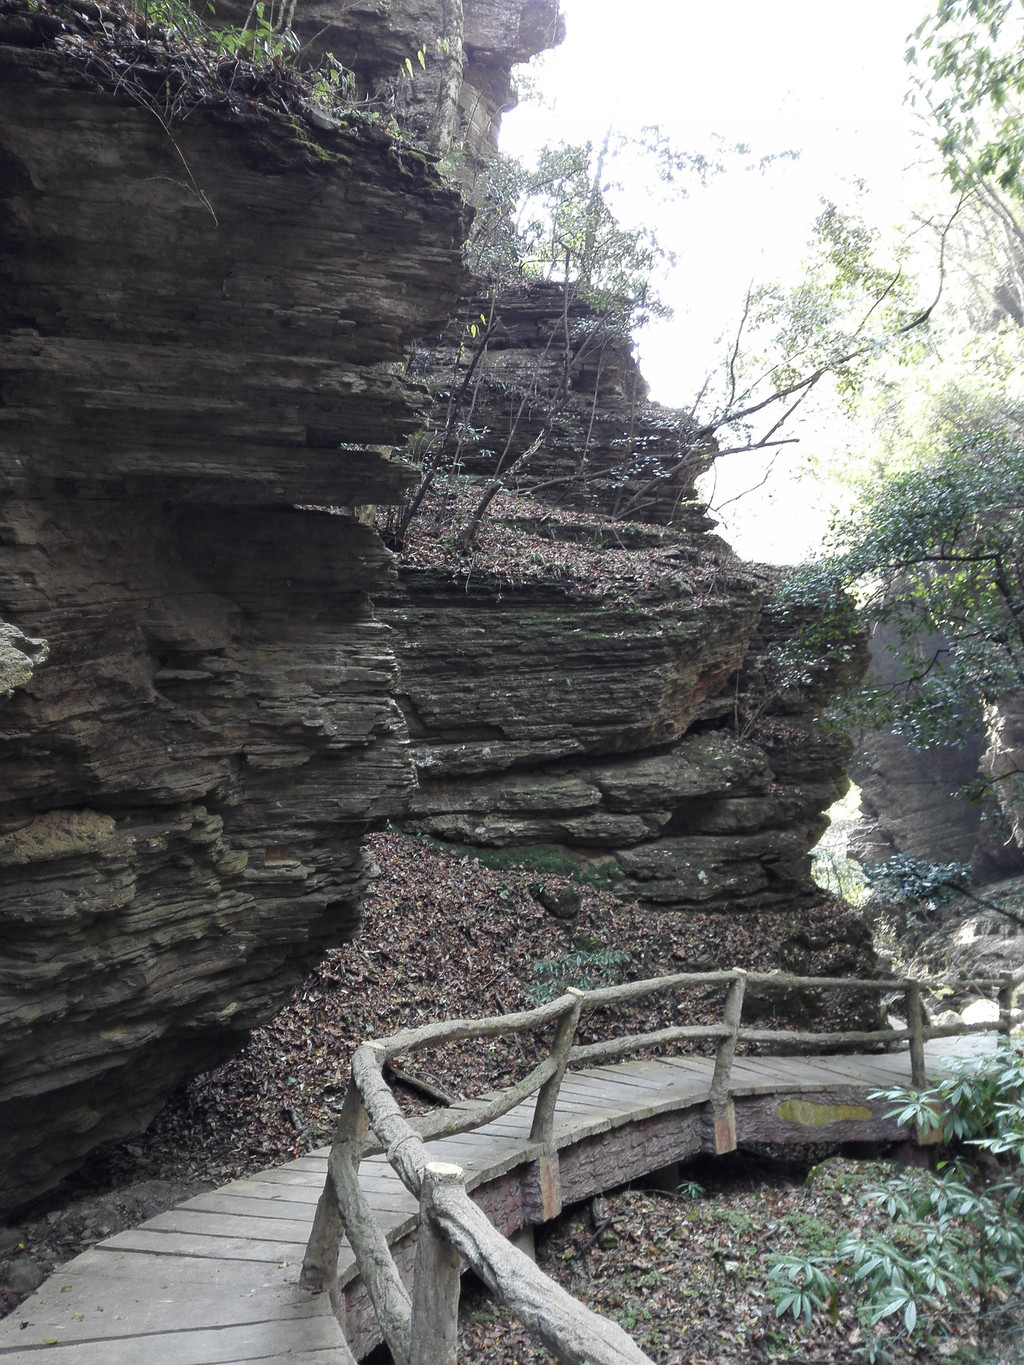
(215, 1281)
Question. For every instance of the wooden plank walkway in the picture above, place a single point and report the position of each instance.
(215, 1281)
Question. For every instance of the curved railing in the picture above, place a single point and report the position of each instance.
(420, 1328)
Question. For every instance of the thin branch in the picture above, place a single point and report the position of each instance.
(734, 355)
(757, 445)
(753, 487)
(808, 382)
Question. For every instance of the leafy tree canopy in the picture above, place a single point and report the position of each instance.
(930, 537)
(974, 55)
(935, 551)
(563, 218)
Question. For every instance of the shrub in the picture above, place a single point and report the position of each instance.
(957, 1233)
(590, 963)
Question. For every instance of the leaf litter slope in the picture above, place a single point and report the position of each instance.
(445, 936)
(687, 1274)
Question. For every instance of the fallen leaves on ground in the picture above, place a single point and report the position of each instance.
(445, 937)
(688, 1277)
(522, 541)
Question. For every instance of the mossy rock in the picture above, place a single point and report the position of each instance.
(563, 902)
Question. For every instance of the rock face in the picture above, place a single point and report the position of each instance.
(606, 448)
(1003, 764)
(374, 39)
(907, 803)
(203, 343)
(640, 727)
(537, 719)
(196, 335)
(908, 795)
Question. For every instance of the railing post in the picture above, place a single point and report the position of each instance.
(353, 1215)
(542, 1129)
(435, 1292)
(723, 1111)
(1005, 998)
(320, 1265)
(915, 1027)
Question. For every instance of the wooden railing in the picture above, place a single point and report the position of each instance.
(420, 1329)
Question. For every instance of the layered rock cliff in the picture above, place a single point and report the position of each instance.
(599, 675)
(201, 327)
(1003, 765)
(541, 716)
(913, 800)
(393, 49)
(603, 447)
(209, 295)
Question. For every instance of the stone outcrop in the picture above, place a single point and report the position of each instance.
(198, 332)
(538, 718)
(606, 447)
(909, 798)
(1003, 764)
(641, 729)
(375, 39)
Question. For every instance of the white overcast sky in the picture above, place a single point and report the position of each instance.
(825, 78)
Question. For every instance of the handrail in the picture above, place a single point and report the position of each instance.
(459, 1030)
(420, 1329)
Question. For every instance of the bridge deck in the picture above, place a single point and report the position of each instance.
(215, 1281)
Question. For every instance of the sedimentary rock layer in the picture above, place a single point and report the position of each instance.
(198, 332)
(644, 725)
(605, 448)
(203, 334)
(392, 48)
(1003, 764)
(642, 739)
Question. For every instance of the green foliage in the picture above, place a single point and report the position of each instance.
(935, 553)
(903, 880)
(972, 50)
(557, 221)
(852, 303)
(332, 83)
(831, 867)
(856, 302)
(266, 42)
(984, 1100)
(814, 635)
(819, 625)
(565, 219)
(264, 38)
(568, 231)
(810, 1229)
(176, 17)
(800, 1286)
(834, 872)
(589, 964)
(955, 1234)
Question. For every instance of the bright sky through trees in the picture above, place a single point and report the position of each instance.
(821, 77)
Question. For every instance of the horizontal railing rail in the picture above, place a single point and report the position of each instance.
(420, 1328)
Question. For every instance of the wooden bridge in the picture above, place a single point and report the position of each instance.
(226, 1278)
